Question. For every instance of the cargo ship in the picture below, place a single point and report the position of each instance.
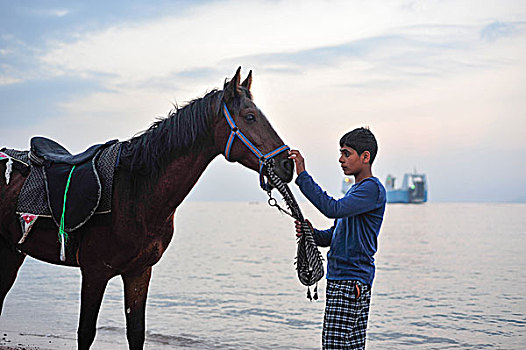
(413, 189)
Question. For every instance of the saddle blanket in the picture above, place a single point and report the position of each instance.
(33, 196)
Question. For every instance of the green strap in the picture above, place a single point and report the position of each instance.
(62, 235)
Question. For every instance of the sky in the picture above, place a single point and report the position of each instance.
(442, 84)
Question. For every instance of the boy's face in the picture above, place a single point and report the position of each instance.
(351, 162)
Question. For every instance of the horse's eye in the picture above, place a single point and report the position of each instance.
(250, 118)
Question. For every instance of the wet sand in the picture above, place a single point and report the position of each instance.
(20, 341)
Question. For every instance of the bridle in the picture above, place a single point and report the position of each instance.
(264, 159)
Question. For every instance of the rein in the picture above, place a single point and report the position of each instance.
(263, 158)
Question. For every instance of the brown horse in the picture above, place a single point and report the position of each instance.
(157, 170)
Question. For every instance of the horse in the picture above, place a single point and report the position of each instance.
(156, 171)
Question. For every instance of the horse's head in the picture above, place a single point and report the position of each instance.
(243, 134)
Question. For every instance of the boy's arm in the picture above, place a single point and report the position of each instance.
(323, 238)
(360, 201)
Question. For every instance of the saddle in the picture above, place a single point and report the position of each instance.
(44, 149)
(72, 182)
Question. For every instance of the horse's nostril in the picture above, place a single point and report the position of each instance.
(285, 169)
(287, 164)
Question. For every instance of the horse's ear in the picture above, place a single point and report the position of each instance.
(232, 87)
(248, 81)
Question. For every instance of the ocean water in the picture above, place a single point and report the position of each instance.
(449, 276)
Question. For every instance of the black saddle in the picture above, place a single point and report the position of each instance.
(51, 151)
(59, 165)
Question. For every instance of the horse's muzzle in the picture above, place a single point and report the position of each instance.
(284, 169)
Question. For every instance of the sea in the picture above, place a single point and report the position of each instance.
(449, 276)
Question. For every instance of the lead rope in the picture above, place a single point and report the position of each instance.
(309, 261)
(274, 203)
(62, 234)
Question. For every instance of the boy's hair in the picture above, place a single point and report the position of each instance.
(361, 139)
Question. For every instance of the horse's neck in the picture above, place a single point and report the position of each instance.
(180, 177)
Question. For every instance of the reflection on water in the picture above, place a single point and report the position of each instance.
(449, 276)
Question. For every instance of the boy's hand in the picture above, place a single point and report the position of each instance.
(298, 227)
(298, 159)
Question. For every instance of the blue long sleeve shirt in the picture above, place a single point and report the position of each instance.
(353, 239)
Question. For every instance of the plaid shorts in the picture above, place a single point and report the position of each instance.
(345, 320)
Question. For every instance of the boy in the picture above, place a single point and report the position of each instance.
(352, 239)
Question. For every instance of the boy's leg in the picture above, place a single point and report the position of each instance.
(345, 322)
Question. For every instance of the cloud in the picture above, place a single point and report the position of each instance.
(217, 32)
(186, 38)
(407, 52)
(411, 57)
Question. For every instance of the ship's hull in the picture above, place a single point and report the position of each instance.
(404, 196)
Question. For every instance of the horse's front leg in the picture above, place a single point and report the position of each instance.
(93, 286)
(135, 293)
(10, 262)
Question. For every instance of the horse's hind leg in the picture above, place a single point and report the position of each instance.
(10, 262)
(135, 293)
(93, 287)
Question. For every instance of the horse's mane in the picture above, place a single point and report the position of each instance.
(185, 129)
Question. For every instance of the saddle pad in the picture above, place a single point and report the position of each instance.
(33, 198)
(21, 156)
(82, 197)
